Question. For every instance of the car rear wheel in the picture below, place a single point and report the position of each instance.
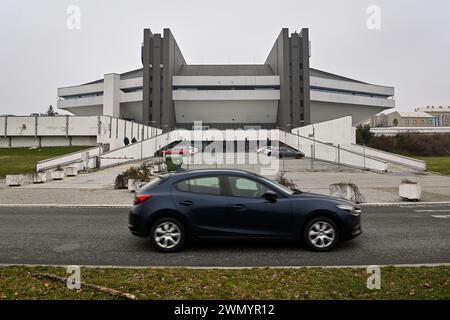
(321, 234)
(168, 235)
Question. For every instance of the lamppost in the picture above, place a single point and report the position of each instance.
(142, 135)
(313, 146)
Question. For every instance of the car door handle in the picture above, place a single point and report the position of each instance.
(239, 207)
(186, 203)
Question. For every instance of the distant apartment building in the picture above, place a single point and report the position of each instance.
(441, 115)
(403, 119)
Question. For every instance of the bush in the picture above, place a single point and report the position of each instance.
(288, 183)
(141, 173)
(363, 134)
(417, 144)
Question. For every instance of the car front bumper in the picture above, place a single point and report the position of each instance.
(355, 229)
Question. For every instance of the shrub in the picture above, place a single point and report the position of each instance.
(141, 173)
(363, 134)
(418, 144)
(288, 183)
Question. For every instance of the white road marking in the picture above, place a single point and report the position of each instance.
(441, 216)
(431, 210)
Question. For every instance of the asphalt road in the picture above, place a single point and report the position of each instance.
(392, 235)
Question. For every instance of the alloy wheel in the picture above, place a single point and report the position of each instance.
(167, 235)
(322, 234)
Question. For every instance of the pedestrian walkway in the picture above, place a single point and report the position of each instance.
(98, 187)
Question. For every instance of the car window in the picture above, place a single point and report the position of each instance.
(206, 185)
(243, 187)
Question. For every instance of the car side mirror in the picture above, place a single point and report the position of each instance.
(270, 196)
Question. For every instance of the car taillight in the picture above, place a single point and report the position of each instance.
(141, 198)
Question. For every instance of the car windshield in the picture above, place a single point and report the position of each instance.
(277, 185)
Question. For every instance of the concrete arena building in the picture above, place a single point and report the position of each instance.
(284, 92)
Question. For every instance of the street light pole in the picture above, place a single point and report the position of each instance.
(313, 146)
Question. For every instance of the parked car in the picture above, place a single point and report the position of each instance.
(284, 152)
(264, 150)
(234, 204)
(181, 151)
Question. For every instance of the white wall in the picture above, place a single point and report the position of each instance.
(111, 95)
(338, 155)
(389, 157)
(392, 131)
(21, 126)
(75, 157)
(338, 131)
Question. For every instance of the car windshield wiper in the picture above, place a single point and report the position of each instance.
(296, 191)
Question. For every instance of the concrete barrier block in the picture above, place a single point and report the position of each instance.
(409, 190)
(14, 180)
(39, 177)
(347, 191)
(135, 185)
(71, 171)
(28, 178)
(57, 175)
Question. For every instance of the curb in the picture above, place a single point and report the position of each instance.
(419, 265)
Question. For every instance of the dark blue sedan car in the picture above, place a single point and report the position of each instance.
(234, 204)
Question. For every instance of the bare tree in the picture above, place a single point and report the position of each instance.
(51, 112)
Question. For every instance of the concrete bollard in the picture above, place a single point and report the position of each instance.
(39, 177)
(409, 190)
(132, 185)
(28, 178)
(135, 185)
(71, 171)
(57, 175)
(14, 180)
(347, 191)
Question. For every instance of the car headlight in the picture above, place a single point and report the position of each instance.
(351, 209)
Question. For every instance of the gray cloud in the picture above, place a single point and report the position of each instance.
(38, 53)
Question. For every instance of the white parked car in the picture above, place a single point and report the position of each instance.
(264, 150)
(192, 150)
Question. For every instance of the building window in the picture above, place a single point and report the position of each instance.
(406, 121)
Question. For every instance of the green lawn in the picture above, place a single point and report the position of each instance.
(24, 160)
(437, 164)
(260, 283)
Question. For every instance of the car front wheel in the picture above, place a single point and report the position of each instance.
(168, 235)
(321, 234)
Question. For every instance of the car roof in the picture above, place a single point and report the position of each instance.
(188, 173)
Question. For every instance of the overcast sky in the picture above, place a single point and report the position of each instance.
(38, 53)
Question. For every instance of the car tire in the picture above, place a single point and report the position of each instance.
(321, 234)
(299, 156)
(168, 235)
